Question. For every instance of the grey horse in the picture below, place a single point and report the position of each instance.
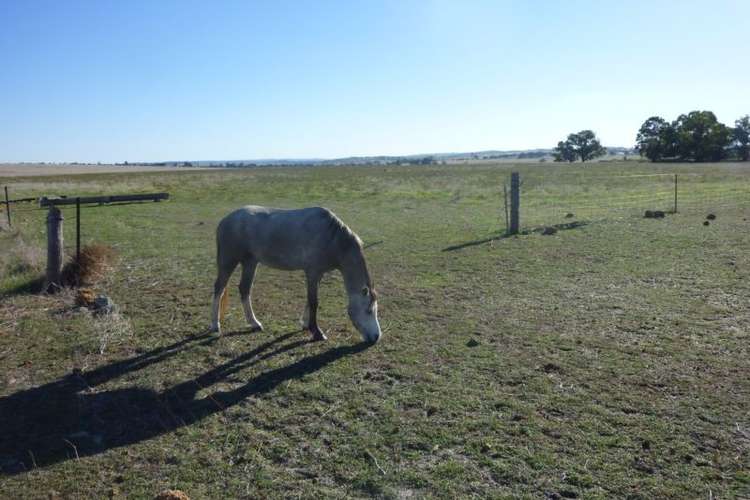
(310, 239)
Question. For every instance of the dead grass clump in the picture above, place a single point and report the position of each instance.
(95, 261)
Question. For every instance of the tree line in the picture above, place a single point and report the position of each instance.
(696, 136)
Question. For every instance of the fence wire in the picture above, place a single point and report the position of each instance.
(550, 200)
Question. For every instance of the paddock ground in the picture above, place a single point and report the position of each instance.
(607, 360)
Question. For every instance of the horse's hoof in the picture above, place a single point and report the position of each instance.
(214, 329)
(319, 336)
(255, 328)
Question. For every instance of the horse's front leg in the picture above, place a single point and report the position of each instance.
(246, 285)
(310, 316)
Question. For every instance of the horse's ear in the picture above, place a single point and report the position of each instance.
(365, 291)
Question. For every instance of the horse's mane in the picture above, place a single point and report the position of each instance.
(340, 233)
(347, 240)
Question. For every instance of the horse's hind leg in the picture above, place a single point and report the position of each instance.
(225, 267)
(246, 285)
(304, 320)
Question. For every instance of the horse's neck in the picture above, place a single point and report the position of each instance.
(354, 270)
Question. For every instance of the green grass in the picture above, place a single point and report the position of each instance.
(609, 360)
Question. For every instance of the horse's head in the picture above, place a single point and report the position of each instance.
(363, 311)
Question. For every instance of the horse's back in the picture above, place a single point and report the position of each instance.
(286, 239)
(268, 220)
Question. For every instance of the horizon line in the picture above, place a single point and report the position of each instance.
(304, 159)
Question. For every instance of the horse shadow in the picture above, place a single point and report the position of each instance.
(69, 418)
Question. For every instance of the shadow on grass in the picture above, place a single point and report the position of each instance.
(31, 286)
(69, 418)
(502, 236)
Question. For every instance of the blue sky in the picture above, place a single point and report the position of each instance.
(112, 80)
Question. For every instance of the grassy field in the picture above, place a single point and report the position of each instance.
(607, 360)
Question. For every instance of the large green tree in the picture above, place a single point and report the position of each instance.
(741, 133)
(564, 152)
(655, 139)
(701, 137)
(583, 145)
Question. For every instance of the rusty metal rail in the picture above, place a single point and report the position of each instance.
(86, 200)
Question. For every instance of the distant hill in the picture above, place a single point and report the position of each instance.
(417, 159)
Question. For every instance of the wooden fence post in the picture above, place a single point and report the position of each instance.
(54, 250)
(515, 202)
(7, 206)
(78, 231)
(505, 205)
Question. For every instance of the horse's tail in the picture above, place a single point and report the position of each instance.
(224, 299)
(223, 303)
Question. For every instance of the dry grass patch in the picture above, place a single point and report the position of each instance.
(95, 261)
(18, 256)
(109, 329)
